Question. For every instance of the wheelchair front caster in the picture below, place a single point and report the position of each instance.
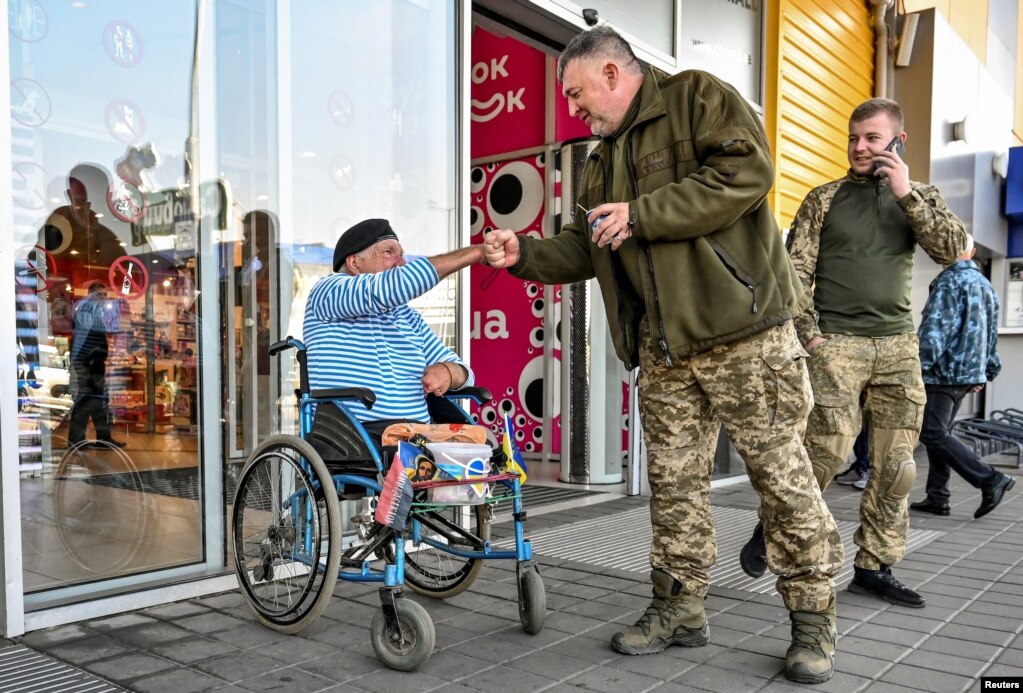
(408, 642)
(532, 600)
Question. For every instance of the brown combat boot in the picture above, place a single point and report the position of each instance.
(811, 656)
(674, 617)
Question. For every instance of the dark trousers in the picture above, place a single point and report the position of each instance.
(862, 453)
(91, 399)
(946, 452)
(89, 407)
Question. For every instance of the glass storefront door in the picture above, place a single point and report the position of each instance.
(108, 279)
(181, 172)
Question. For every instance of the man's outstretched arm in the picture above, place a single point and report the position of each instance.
(449, 263)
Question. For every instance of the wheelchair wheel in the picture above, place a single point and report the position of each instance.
(287, 534)
(414, 644)
(532, 601)
(436, 573)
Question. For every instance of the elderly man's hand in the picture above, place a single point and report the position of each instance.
(436, 379)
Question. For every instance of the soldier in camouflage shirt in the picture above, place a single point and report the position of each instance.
(958, 336)
(852, 245)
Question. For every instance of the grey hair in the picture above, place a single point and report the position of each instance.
(364, 254)
(600, 41)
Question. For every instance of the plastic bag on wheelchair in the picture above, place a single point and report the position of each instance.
(437, 466)
(464, 462)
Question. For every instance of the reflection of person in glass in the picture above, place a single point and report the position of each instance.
(81, 247)
(95, 317)
(74, 234)
(259, 229)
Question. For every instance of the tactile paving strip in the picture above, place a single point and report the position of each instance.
(622, 541)
(24, 669)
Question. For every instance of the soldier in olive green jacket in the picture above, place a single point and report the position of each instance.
(700, 294)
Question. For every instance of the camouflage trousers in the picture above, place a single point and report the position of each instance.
(885, 371)
(758, 389)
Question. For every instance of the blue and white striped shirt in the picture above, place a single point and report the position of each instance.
(360, 332)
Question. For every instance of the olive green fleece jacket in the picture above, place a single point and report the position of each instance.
(712, 262)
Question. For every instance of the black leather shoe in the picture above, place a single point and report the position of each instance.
(881, 583)
(104, 442)
(991, 497)
(928, 506)
(753, 557)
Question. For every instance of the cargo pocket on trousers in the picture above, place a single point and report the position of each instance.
(787, 386)
(911, 416)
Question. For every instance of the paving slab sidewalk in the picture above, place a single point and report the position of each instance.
(971, 575)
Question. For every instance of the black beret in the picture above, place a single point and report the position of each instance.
(361, 236)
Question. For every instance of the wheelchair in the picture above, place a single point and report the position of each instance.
(289, 541)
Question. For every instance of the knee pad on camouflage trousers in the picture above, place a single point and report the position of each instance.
(822, 473)
(895, 444)
(902, 484)
(827, 455)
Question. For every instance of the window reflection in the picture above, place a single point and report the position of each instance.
(117, 219)
(107, 327)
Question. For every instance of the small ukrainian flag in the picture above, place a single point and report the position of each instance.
(511, 451)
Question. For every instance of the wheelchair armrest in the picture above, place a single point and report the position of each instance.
(365, 395)
(479, 395)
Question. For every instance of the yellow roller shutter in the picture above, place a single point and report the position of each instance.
(820, 66)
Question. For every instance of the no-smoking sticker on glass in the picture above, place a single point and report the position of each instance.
(128, 277)
(342, 172)
(36, 269)
(340, 108)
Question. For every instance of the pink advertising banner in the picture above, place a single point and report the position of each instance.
(507, 107)
(507, 330)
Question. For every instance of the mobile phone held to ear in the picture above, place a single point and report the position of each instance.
(897, 146)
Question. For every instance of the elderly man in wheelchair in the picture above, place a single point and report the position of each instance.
(369, 363)
(359, 330)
